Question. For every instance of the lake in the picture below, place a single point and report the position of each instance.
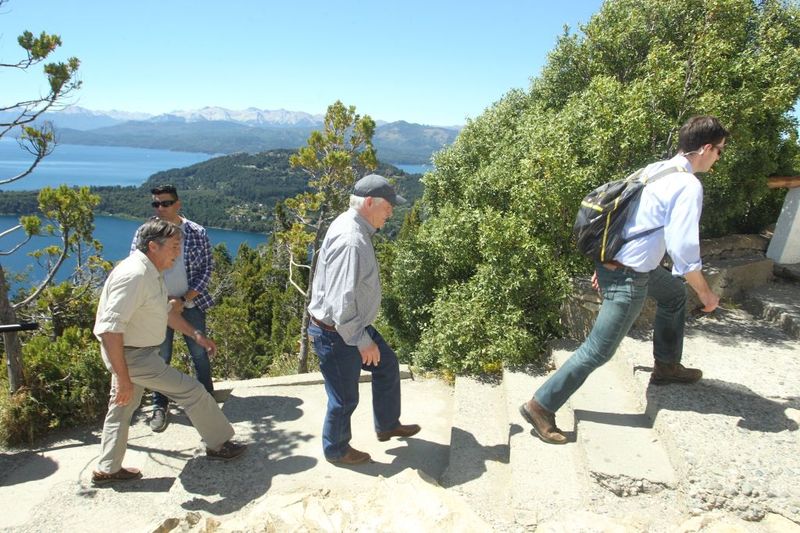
(115, 234)
(77, 165)
(73, 164)
(414, 169)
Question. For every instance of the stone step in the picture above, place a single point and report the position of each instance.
(789, 272)
(478, 467)
(732, 437)
(623, 453)
(548, 481)
(777, 302)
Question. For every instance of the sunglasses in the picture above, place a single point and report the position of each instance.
(719, 149)
(162, 203)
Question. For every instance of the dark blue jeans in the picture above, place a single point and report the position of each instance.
(341, 367)
(624, 292)
(202, 366)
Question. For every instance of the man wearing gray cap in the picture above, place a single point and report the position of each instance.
(345, 300)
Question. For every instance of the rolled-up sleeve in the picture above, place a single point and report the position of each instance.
(201, 271)
(682, 229)
(121, 301)
(342, 274)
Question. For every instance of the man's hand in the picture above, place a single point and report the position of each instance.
(176, 305)
(595, 283)
(697, 282)
(370, 355)
(206, 343)
(123, 391)
(710, 301)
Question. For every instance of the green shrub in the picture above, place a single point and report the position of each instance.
(67, 385)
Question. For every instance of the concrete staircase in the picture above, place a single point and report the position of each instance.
(727, 445)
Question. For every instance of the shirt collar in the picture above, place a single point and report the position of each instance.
(681, 161)
(369, 228)
(149, 266)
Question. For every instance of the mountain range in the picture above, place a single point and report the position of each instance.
(217, 130)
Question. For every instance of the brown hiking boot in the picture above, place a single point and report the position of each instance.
(666, 373)
(123, 474)
(408, 430)
(352, 457)
(543, 422)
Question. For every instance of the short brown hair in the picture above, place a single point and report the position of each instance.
(699, 131)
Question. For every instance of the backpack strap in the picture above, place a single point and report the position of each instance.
(648, 180)
(663, 172)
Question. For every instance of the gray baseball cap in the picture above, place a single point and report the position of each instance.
(377, 187)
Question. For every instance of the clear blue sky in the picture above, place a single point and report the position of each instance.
(432, 62)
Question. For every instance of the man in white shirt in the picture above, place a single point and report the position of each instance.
(131, 322)
(668, 218)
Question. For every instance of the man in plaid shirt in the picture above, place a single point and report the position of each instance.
(187, 282)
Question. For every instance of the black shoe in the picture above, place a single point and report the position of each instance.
(229, 450)
(159, 422)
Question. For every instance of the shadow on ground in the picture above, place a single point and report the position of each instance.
(479, 456)
(221, 487)
(713, 396)
(36, 467)
(708, 396)
(23, 465)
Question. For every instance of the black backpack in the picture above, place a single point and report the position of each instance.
(603, 212)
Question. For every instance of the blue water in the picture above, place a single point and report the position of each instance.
(414, 169)
(73, 164)
(114, 233)
(92, 165)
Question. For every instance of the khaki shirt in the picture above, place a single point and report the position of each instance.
(134, 302)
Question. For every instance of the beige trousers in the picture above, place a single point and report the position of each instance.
(147, 369)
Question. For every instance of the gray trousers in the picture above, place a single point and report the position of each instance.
(147, 369)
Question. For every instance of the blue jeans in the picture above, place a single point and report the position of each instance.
(624, 292)
(341, 367)
(202, 366)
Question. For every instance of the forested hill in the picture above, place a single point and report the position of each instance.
(237, 191)
(398, 142)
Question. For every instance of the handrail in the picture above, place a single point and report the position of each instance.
(789, 182)
(23, 326)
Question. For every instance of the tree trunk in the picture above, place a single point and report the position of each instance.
(13, 348)
(302, 360)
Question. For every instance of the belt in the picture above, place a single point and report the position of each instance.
(613, 265)
(322, 325)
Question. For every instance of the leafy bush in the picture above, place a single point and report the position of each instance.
(479, 282)
(68, 385)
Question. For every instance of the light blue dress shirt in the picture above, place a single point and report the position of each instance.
(673, 204)
(347, 288)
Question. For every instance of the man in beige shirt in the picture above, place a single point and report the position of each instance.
(131, 321)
